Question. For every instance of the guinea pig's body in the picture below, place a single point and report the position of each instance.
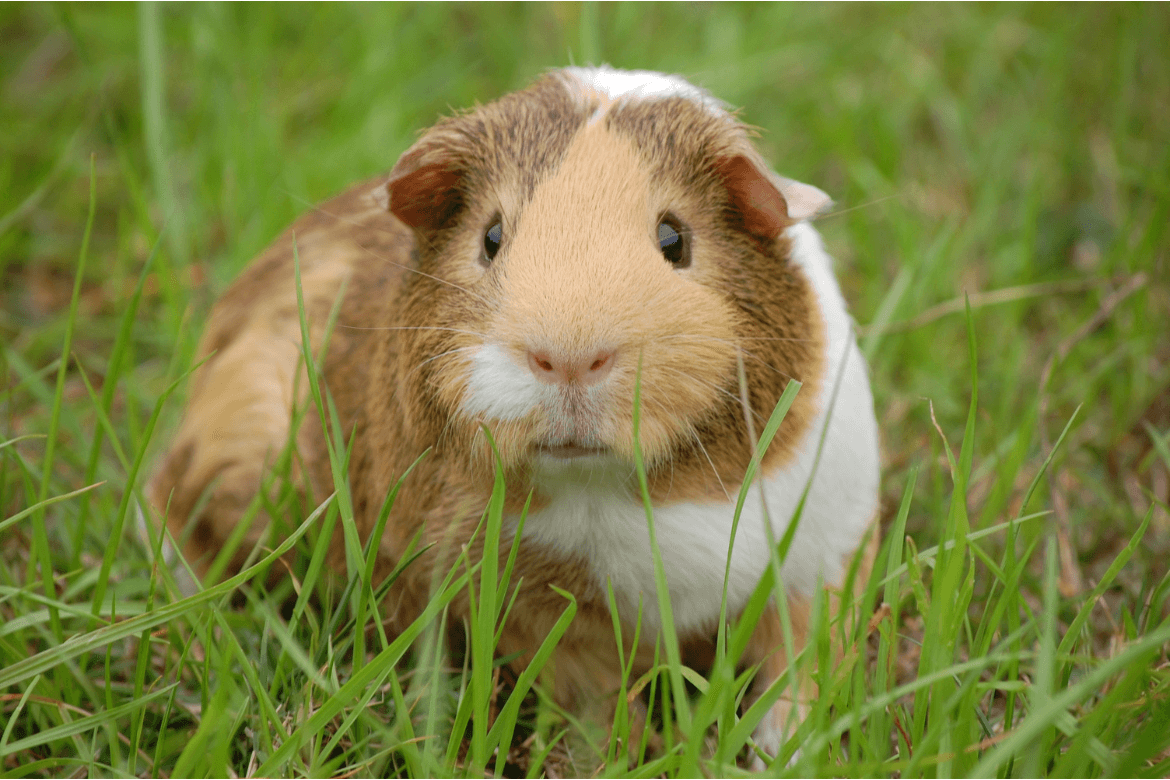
(526, 266)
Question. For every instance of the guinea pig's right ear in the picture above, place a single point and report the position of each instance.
(423, 189)
(766, 201)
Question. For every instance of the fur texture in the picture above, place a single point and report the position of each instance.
(544, 340)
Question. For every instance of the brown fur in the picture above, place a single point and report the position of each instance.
(414, 298)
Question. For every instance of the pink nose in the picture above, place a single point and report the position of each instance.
(569, 370)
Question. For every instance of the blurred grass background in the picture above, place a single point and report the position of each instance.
(1016, 154)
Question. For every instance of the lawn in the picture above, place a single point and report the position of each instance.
(1001, 177)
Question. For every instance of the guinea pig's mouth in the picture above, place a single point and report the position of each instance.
(568, 450)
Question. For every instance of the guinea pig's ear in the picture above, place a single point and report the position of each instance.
(423, 188)
(767, 201)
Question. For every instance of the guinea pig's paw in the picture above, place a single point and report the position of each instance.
(774, 730)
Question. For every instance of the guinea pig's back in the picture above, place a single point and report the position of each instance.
(240, 400)
(350, 237)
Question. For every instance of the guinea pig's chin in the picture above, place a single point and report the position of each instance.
(552, 444)
(569, 450)
(567, 460)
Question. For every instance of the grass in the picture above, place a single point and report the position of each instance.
(1003, 187)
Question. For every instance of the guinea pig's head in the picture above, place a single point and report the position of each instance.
(598, 232)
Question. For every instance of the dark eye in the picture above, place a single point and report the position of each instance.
(674, 242)
(491, 241)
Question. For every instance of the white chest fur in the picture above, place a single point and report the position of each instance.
(608, 530)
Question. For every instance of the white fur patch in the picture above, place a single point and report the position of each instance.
(498, 387)
(603, 526)
(617, 84)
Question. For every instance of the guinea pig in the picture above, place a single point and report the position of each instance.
(525, 268)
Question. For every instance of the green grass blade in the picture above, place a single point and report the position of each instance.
(82, 643)
(353, 688)
(40, 533)
(83, 725)
(665, 613)
(1040, 719)
(500, 736)
(40, 506)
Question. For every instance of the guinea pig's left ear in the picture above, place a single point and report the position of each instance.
(767, 201)
(423, 188)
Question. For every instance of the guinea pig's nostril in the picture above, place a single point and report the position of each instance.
(600, 363)
(595, 368)
(542, 366)
(570, 370)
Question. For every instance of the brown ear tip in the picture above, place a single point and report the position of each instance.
(754, 195)
(423, 196)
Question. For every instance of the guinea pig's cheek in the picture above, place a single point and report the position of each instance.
(498, 388)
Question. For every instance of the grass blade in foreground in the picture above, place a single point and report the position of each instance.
(82, 643)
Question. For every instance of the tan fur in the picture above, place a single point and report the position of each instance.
(240, 400)
(603, 231)
(579, 271)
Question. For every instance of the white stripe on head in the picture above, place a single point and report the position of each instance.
(641, 84)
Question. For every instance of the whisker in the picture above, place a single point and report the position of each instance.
(866, 205)
(414, 270)
(351, 221)
(716, 388)
(707, 455)
(766, 364)
(316, 208)
(729, 342)
(413, 327)
(436, 357)
(667, 411)
(739, 348)
(445, 432)
(780, 338)
(653, 400)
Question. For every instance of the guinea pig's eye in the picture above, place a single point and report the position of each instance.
(491, 241)
(674, 242)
